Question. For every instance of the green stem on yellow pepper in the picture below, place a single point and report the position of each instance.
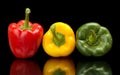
(58, 38)
(59, 72)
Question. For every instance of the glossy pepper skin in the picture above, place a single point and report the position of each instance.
(59, 66)
(59, 40)
(92, 39)
(93, 68)
(25, 37)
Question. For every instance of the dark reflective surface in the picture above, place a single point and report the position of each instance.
(93, 68)
(25, 67)
(42, 64)
(58, 66)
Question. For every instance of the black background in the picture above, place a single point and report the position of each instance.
(73, 13)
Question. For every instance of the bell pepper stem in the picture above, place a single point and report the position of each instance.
(53, 31)
(27, 12)
(91, 37)
(59, 72)
(26, 24)
(58, 38)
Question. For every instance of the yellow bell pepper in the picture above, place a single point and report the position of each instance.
(59, 40)
(59, 66)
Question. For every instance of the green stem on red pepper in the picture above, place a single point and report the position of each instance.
(26, 24)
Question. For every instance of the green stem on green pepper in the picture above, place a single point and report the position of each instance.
(92, 37)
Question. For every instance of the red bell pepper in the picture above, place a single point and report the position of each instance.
(25, 37)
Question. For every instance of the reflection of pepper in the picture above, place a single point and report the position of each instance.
(25, 37)
(59, 40)
(93, 39)
(25, 67)
(93, 68)
(59, 66)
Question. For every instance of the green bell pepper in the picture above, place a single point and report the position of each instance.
(93, 68)
(92, 39)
